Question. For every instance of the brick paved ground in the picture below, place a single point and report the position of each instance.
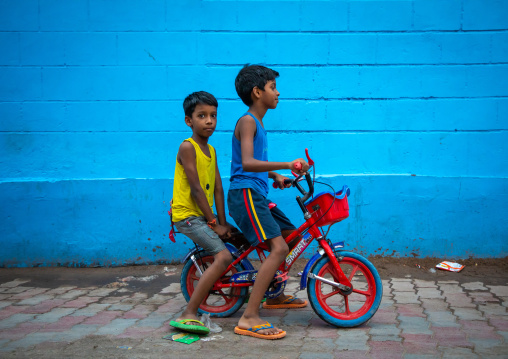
(417, 319)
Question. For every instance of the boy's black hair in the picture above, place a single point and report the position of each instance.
(198, 98)
(251, 76)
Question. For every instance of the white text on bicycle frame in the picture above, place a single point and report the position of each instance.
(298, 249)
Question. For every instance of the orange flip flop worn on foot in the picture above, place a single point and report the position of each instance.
(253, 332)
(286, 304)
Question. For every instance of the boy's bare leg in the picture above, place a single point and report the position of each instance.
(278, 251)
(211, 274)
(282, 297)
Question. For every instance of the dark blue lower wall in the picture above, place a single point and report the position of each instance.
(117, 222)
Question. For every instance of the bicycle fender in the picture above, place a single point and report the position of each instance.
(308, 266)
(312, 261)
(245, 263)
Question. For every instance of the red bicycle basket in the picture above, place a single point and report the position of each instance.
(322, 202)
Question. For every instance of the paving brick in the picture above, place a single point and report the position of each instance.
(91, 310)
(28, 293)
(410, 310)
(35, 299)
(30, 340)
(139, 312)
(155, 320)
(54, 315)
(383, 329)
(386, 349)
(157, 299)
(116, 327)
(13, 283)
(16, 290)
(101, 292)
(459, 300)
(473, 286)
(456, 352)
(318, 345)
(413, 325)
(499, 323)
(172, 288)
(403, 287)
(442, 319)
(11, 310)
(4, 304)
(20, 331)
(72, 294)
(468, 314)
(491, 309)
(385, 316)
(483, 297)
(352, 339)
(429, 293)
(60, 290)
(450, 289)
(103, 318)
(406, 298)
(435, 304)
(121, 307)
(81, 302)
(63, 324)
(77, 332)
(15, 319)
(499, 290)
(45, 306)
(419, 283)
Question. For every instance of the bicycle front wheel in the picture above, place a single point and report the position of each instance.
(345, 310)
(222, 303)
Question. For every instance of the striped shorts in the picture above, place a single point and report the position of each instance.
(252, 215)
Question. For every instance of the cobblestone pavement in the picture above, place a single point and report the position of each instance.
(416, 319)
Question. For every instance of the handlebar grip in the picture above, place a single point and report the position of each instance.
(275, 184)
(297, 166)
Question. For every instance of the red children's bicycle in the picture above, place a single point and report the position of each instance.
(343, 288)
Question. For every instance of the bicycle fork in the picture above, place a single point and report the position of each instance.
(344, 285)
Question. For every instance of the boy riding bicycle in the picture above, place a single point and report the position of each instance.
(247, 202)
(197, 182)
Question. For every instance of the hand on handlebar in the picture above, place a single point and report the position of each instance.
(281, 182)
(299, 165)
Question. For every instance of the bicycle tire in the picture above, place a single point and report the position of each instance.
(337, 309)
(215, 305)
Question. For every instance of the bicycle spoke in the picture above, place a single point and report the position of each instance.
(346, 305)
(362, 292)
(353, 271)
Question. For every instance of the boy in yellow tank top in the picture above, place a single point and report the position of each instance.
(197, 182)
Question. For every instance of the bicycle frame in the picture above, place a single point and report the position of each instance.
(310, 232)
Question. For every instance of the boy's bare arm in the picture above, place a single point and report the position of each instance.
(246, 130)
(187, 158)
(219, 196)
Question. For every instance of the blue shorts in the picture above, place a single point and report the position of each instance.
(255, 219)
(196, 228)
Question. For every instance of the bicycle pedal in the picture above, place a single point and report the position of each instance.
(245, 276)
(282, 277)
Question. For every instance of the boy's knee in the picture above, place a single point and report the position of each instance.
(224, 258)
(280, 247)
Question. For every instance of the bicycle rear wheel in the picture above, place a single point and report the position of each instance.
(338, 309)
(223, 303)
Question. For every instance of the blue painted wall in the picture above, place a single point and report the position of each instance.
(404, 101)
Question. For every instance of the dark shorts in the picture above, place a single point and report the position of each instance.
(196, 228)
(255, 219)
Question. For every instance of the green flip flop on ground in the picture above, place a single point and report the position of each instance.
(190, 328)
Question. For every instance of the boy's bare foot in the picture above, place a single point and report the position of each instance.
(188, 317)
(282, 298)
(245, 323)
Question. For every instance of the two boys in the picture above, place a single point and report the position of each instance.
(247, 202)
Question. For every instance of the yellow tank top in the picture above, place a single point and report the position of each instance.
(183, 203)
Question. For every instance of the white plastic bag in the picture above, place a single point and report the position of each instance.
(214, 327)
